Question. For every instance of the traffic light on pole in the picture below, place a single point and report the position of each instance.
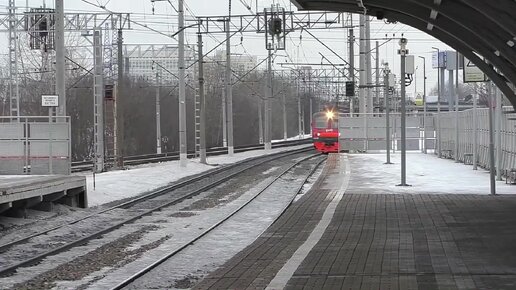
(350, 89)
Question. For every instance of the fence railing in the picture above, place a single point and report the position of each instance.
(467, 142)
(86, 165)
(35, 145)
(369, 131)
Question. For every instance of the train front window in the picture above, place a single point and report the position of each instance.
(324, 123)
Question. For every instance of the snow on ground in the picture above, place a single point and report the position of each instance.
(120, 184)
(305, 136)
(426, 173)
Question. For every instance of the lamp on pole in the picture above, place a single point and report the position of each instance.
(424, 103)
(403, 51)
(438, 103)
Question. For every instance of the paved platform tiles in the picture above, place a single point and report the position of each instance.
(383, 241)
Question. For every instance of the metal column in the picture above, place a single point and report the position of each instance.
(268, 96)
(498, 142)
(424, 105)
(403, 53)
(377, 75)
(119, 101)
(60, 58)
(14, 92)
(387, 114)
(98, 98)
(351, 69)
(229, 90)
(224, 119)
(492, 174)
(299, 115)
(441, 93)
(182, 98)
(260, 122)
(202, 102)
(158, 116)
(475, 129)
(284, 116)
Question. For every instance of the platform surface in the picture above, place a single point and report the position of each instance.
(373, 237)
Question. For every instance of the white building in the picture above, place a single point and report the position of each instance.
(143, 61)
(240, 63)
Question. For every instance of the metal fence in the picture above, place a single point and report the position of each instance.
(362, 132)
(467, 142)
(35, 145)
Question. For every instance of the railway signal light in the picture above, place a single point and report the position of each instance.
(350, 89)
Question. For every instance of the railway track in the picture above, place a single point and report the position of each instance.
(117, 216)
(127, 282)
(79, 166)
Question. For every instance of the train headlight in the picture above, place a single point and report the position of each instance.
(329, 115)
(318, 134)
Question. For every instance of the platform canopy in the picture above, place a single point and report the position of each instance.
(484, 31)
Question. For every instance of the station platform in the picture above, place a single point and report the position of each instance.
(18, 192)
(355, 229)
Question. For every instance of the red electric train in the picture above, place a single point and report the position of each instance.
(325, 131)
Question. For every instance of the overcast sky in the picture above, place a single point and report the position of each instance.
(307, 49)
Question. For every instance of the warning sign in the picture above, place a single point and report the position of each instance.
(472, 73)
(49, 101)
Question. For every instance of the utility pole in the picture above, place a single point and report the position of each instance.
(283, 101)
(440, 82)
(158, 116)
(369, 77)
(60, 58)
(299, 114)
(362, 93)
(424, 104)
(224, 119)
(182, 98)
(386, 73)
(268, 96)
(310, 91)
(456, 106)
(403, 52)
(229, 89)
(202, 101)
(119, 120)
(98, 98)
(498, 118)
(475, 127)
(491, 139)
(260, 122)
(377, 74)
(14, 91)
(351, 69)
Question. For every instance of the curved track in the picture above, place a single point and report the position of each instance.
(187, 244)
(144, 205)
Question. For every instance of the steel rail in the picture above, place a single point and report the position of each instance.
(9, 269)
(86, 165)
(224, 219)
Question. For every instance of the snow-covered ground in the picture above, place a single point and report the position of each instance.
(426, 173)
(120, 184)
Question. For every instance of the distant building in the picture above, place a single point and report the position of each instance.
(143, 61)
(240, 63)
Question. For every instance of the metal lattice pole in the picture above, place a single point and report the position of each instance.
(229, 90)
(14, 92)
(158, 111)
(202, 103)
(98, 98)
(60, 58)
(182, 92)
